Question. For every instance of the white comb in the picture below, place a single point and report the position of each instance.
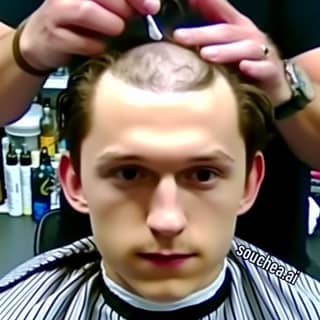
(153, 30)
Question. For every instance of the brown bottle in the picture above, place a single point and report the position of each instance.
(48, 129)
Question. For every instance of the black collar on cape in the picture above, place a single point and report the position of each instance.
(194, 312)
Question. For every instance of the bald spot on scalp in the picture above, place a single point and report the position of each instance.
(163, 67)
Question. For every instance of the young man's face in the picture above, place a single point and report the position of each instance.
(164, 178)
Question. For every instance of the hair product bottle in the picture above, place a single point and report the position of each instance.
(42, 183)
(4, 149)
(25, 174)
(2, 181)
(2, 190)
(48, 129)
(13, 183)
(55, 195)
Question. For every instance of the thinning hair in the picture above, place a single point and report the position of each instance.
(163, 68)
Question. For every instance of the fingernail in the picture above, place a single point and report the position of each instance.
(181, 34)
(152, 6)
(209, 52)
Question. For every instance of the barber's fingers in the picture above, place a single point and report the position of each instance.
(259, 70)
(77, 43)
(53, 32)
(91, 16)
(59, 28)
(145, 6)
(266, 74)
(214, 34)
(106, 17)
(125, 8)
(233, 52)
(121, 8)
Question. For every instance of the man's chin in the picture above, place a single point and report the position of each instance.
(166, 291)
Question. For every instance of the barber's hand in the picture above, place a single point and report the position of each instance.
(234, 38)
(60, 28)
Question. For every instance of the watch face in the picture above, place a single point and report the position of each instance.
(304, 84)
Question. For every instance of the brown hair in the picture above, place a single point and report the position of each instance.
(160, 67)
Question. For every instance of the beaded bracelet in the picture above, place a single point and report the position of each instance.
(19, 59)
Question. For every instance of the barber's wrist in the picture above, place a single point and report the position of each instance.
(302, 91)
(284, 90)
(22, 53)
(284, 96)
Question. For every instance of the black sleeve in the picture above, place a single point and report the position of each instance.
(12, 12)
(297, 27)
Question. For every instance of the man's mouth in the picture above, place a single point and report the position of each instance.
(169, 260)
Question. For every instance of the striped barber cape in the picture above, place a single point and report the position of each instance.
(67, 283)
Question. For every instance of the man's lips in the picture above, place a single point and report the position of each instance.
(160, 255)
(167, 259)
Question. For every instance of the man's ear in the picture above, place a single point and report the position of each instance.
(253, 183)
(71, 184)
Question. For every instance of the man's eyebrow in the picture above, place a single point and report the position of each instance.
(113, 156)
(213, 155)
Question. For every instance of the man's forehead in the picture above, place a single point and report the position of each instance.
(124, 112)
(165, 123)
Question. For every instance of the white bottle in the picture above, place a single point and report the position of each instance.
(35, 159)
(5, 147)
(55, 194)
(13, 186)
(25, 175)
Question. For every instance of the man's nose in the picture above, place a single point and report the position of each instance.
(166, 216)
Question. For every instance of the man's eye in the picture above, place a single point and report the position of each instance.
(130, 173)
(201, 176)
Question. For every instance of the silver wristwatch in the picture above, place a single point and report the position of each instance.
(301, 88)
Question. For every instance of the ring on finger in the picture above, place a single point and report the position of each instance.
(265, 50)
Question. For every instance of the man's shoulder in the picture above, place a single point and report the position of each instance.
(251, 259)
(46, 286)
(267, 281)
(72, 257)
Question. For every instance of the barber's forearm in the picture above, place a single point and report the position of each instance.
(302, 132)
(17, 88)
